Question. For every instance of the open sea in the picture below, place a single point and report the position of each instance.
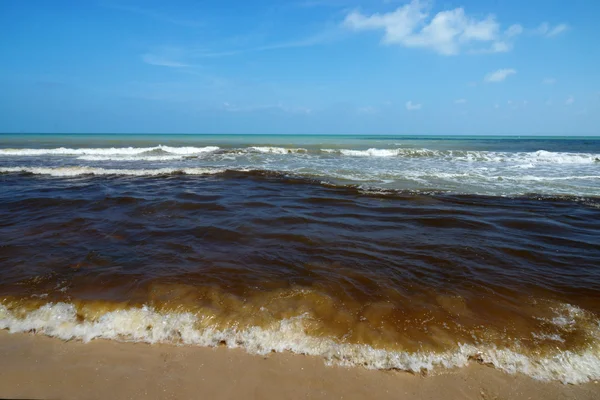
(387, 252)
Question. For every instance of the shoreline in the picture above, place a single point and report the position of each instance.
(36, 366)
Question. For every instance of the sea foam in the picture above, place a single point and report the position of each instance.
(81, 171)
(145, 324)
(113, 151)
(540, 156)
(517, 158)
(277, 150)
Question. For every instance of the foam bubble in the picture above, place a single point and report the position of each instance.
(276, 150)
(147, 325)
(371, 152)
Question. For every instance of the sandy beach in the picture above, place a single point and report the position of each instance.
(34, 366)
(299, 199)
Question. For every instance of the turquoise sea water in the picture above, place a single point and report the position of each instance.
(489, 165)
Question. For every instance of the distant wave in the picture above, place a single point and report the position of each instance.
(169, 153)
(277, 150)
(472, 155)
(82, 171)
(428, 182)
(141, 157)
(387, 177)
(113, 151)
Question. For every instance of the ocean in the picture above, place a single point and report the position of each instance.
(387, 252)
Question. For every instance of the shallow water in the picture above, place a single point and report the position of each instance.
(266, 247)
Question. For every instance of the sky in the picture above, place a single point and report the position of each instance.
(308, 66)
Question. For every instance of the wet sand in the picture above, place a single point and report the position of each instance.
(33, 366)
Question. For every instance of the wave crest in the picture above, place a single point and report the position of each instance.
(277, 150)
(166, 153)
(80, 171)
(113, 151)
(144, 324)
(540, 156)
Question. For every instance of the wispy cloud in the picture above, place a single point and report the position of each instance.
(324, 37)
(547, 30)
(186, 58)
(549, 81)
(460, 101)
(570, 100)
(156, 15)
(514, 30)
(160, 61)
(499, 75)
(410, 106)
(448, 32)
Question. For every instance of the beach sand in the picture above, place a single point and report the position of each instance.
(34, 366)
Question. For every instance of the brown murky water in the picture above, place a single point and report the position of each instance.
(274, 263)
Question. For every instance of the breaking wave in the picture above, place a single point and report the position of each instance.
(277, 150)
(540, 156)
(81, 171)
(113, 151)
(166, 153)
(144, 324)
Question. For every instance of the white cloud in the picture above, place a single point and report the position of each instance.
(410, 106)
(448, 32)
(514, 30)
(162, 61)
(460, 101)
(500, 47)
(499, 75)
(496, 106)
(549, 81)
(545, 29)
(570, 100)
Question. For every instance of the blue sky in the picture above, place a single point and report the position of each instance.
(306, 66)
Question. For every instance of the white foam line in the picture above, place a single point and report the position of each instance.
(131, 158)
(520, 158)
(79, 171)
(540, 156)
(277, 150)
(147, 325)
(107, 151)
